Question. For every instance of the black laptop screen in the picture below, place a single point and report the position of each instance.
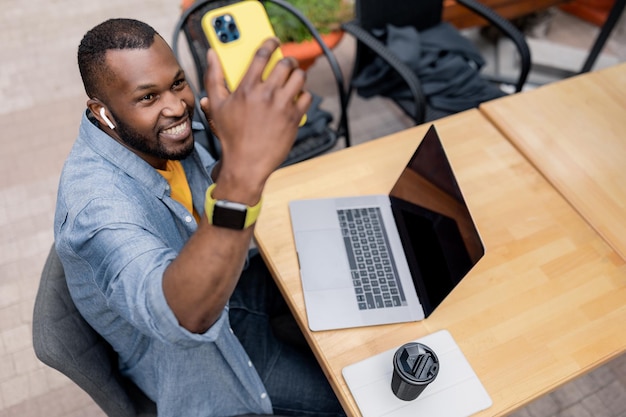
(437, 231)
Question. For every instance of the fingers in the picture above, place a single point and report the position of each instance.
(290, 80)
(282, 72)
(303, 102)
(284, 83)
(278, 75)
(259, 62)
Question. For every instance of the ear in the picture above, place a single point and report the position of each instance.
(100, 112)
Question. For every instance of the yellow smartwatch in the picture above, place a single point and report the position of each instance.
(224, 213)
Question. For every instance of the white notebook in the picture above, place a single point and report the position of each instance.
(456, 392)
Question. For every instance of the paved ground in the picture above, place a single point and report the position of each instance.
(41, 100)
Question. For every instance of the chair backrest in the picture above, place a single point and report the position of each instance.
(190, 25)
(374, 14)
(63, 340)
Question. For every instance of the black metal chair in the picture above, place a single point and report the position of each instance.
(375, 15)
(312, 139)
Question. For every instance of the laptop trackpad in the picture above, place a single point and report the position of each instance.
(323, 260)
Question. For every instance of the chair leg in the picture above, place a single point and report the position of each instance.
(603, 36)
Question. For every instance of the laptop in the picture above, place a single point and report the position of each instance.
(380, 259)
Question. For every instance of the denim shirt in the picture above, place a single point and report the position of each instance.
(116, 231)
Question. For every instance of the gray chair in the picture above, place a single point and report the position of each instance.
(63, 340)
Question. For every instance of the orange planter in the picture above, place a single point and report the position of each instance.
(308, 51)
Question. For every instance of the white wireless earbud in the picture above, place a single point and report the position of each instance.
(106, 119)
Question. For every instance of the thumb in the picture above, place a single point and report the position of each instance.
(214, 82)
(205, 105)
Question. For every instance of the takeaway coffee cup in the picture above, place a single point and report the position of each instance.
(415, 365)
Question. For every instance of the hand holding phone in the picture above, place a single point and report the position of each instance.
(236, 32)
(258, 123)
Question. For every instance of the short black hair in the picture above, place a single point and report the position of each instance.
(112, 34)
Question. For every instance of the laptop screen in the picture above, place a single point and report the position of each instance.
(438, 234)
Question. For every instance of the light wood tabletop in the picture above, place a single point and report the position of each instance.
(544, 305)
(574, 132)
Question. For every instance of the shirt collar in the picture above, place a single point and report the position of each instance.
(120, 156)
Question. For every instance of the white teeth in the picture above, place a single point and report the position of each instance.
(176, 129)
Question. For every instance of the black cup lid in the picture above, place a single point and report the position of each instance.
(416, 362)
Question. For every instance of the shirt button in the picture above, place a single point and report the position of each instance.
(250, 364)
(231, 330)
(264, 396)
(188, 219)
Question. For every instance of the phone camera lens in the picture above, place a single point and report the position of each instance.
(225, 28)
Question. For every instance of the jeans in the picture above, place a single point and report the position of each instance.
(294, 380)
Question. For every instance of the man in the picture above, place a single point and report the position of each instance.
(152, 261)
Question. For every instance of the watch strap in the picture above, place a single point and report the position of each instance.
(252, 212)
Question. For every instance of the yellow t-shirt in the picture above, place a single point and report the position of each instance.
(174, 174)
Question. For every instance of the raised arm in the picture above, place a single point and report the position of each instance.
(257, 125)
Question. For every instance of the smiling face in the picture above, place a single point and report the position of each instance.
(151, 103)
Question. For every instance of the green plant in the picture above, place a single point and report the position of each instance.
(325, 15)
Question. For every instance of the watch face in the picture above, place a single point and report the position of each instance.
(229, 216)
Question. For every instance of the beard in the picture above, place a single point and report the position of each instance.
(144, 144)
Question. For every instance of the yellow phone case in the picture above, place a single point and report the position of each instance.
(252, 27)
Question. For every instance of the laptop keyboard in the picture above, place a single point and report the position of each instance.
(374, 273)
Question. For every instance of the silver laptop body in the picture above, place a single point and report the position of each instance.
(379, 259)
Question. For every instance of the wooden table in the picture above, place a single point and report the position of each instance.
(544, 305)
(574, 132)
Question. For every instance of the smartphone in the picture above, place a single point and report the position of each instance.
(235, 32)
